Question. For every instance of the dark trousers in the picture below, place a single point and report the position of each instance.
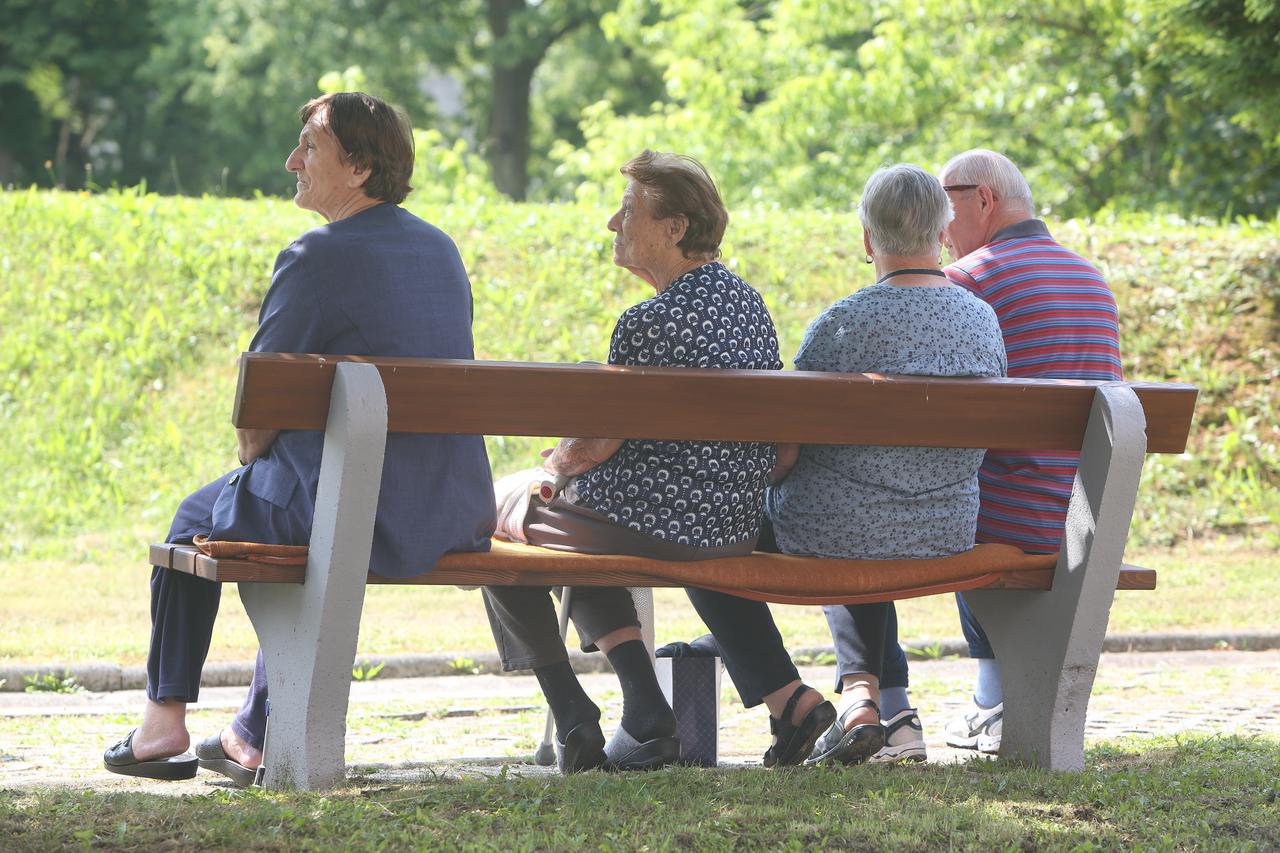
(851, 650)
(752, 647)
(523, 618)
(865, 635)
(184, 607)
(866, 640)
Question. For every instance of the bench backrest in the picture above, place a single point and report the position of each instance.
(288, 391)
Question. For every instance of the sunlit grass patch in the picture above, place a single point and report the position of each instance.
(1159, 793)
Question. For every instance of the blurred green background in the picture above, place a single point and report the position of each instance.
(142, 201)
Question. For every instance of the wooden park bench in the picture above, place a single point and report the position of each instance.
(1045, 615)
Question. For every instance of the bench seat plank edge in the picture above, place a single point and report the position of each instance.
(186, 558)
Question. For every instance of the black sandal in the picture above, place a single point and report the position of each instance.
(120, 759)
(792, 742)
(853, 746)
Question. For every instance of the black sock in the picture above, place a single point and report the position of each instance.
(570, 704)
(645, 712)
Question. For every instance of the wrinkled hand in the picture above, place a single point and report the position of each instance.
(574, 456)
(252, 443)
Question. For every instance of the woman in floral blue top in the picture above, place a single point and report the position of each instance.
(672, 500)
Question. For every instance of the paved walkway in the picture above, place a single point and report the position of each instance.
(415, 728)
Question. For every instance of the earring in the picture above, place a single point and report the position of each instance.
(939, 259)
(867, 259)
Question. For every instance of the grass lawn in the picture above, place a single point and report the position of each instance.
(1150, 794)
(93, 607)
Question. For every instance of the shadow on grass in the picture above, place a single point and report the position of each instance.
(1206, 793)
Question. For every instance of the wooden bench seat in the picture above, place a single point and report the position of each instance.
(1046, 616)
(777, 578)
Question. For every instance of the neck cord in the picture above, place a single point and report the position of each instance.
(890, 275)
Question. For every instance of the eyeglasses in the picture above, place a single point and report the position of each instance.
(958, 187)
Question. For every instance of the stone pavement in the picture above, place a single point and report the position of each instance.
(422, 728)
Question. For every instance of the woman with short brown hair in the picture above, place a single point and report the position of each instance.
(670, 500)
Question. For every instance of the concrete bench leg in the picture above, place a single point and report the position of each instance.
(1047, 643)
(308, 632)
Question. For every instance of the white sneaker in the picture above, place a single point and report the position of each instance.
(978, 728)
(904, 741)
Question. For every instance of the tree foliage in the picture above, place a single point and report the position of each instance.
(1107, 104)
(795, 102)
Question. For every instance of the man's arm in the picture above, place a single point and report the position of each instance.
(254, 443)
(574, 456)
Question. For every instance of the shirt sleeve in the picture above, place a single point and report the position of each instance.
(822, 340)
(291, 319)
(639, 339)
(959, 277)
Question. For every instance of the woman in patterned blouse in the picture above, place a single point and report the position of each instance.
(672, 500)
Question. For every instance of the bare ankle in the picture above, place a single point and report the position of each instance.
(239, 750)
(778, 699)
(860, 688)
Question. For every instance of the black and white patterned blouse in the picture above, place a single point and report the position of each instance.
(704, 494)
(879, 503)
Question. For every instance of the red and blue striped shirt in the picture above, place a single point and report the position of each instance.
(1059, 321)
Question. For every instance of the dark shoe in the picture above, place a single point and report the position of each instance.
(582, 748)
(120, 759)
(792, 742)
(853, 746)
(213, 757)
(624, 752)
(703, 647)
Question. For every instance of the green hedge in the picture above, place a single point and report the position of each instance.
(122, 314)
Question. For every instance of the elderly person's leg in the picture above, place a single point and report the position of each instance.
(988, 692)
(523, 621)
(183, 609)
(894, 672)
(242, 742)
(857, 733)
(859, 633)
(606, 619)
(241, 513)
(980, 726)
(762, 671)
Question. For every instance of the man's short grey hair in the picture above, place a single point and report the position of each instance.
(903, 210)
(982, 166)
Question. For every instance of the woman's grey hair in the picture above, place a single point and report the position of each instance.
(988, 168)
(903, 210)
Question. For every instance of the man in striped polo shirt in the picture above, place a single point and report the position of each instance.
(1059, 321)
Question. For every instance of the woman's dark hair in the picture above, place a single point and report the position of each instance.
(374, 135)
(680, 186)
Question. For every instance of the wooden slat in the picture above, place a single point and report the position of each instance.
(281, 391)
(1136, 577)
(185, 558)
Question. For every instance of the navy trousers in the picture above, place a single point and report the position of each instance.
(184, 607)
(979, 645)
